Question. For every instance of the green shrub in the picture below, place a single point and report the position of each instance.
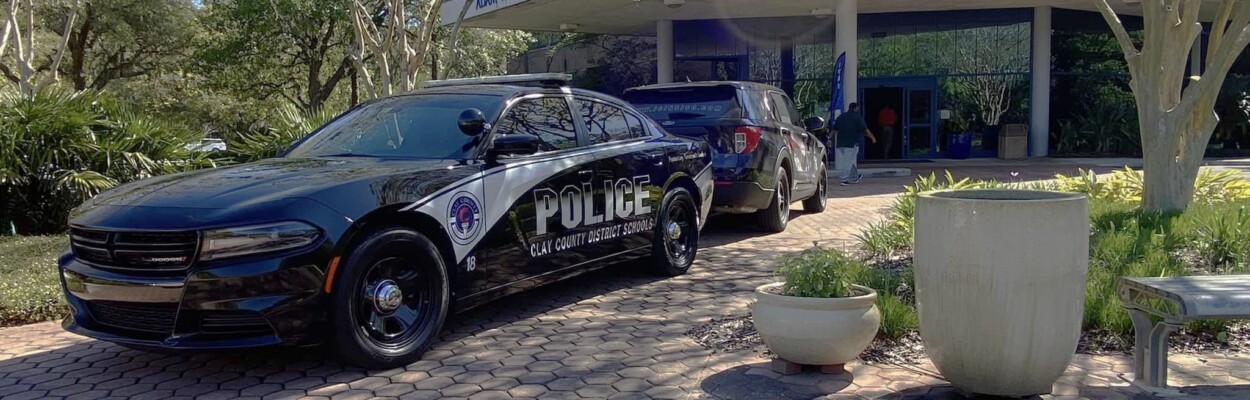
(29, 288)
(1126, 185)
(898, 318)
(290, 126)
(58, 148)
(826, 273)
(1109, 126)
(1222, 239)
(898, 310)
(819, 273)
(881, 239)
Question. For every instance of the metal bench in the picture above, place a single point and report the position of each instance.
(1176, 300)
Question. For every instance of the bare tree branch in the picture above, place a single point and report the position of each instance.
(55, 67)
(455, 40)
(1131, 53)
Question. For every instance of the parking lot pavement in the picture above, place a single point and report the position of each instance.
(615, 333)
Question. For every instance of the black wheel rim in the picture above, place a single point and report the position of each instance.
(824, 184)
(389, 319)
(682, 221)
(783, 201)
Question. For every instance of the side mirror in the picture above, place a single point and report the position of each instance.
(472, 122)
(815, 124)
(513, 145)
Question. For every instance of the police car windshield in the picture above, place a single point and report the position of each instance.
(419, 126)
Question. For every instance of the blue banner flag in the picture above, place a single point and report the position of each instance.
(839, 69)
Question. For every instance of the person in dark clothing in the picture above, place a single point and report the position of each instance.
(848, 130)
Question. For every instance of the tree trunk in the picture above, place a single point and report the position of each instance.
(1177, 119)
(1167, 184)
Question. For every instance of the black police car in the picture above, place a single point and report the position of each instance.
(367, 233)
(765, 155)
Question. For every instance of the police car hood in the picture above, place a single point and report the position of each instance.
(260, 182)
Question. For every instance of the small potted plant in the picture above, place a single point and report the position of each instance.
(958, 137)
(817, 316)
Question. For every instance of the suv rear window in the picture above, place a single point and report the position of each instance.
(708, 102)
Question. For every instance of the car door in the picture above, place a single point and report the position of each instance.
(542, 198)
(636, 167)
(797, 139)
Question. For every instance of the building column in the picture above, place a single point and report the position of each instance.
(1039, 102)
(846, 40)
(664, 53)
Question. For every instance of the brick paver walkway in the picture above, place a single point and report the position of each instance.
(617, 333)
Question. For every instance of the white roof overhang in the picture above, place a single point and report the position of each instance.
(638, 17)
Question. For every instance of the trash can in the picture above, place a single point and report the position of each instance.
(959, 145)
(1013, 142)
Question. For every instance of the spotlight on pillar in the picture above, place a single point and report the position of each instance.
(569, 27)
(674, 3)
(822, 12)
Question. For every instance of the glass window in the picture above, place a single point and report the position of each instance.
(604, 122)
(421, 126)
(636, 129)
(547, 118)
(784, 108)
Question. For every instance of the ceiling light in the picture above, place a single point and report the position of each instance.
(822, 12)
(674, 3)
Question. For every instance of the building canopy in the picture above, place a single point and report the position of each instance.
(638, 17)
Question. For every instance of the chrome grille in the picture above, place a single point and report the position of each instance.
(136, 251)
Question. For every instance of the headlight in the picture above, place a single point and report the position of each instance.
(256, 239)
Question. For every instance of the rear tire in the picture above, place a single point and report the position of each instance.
(390, 299)
(777, 215)
(816, 203)
(676, 239)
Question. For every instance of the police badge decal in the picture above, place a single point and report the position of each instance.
(464, 218)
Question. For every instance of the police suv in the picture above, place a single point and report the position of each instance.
(366, 234)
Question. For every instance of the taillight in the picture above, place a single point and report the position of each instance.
(746, 138)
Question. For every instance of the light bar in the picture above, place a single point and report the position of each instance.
(553, 79)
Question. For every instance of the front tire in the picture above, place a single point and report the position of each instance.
(390, 299)
(816, 203)
(775, 218)
(676, 238)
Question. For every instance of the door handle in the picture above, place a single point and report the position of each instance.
(585, 172)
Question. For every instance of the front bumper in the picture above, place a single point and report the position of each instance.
(240, 303)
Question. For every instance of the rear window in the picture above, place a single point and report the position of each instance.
(687, 103)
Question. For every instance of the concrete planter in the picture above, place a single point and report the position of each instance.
(813, 331)
(1000, 286)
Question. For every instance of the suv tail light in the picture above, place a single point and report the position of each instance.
(746, 138)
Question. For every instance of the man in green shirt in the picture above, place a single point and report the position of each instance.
(849, 128)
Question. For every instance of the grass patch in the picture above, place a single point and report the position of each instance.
(29, 288)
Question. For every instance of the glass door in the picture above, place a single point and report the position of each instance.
(918, 124)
